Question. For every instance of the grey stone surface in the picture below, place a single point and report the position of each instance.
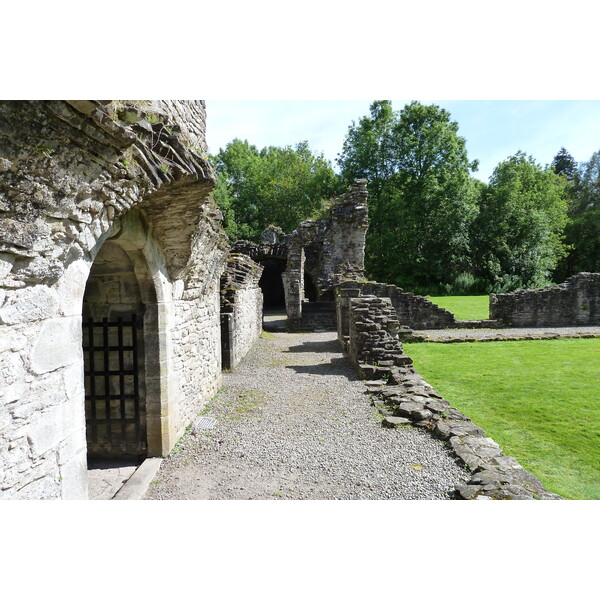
(495, 335)
(78, 181)
(576, 302)
(136, 486)
(294, 422)
(241, 308)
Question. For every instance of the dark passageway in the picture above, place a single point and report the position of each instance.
(271, 283)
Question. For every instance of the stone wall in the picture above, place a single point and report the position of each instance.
(241, 308)
(373, 342)
(574, 302)
(412, 311)
(330, 250)
(403, 398)
(73, 175)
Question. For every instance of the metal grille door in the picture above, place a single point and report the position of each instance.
(115, 415)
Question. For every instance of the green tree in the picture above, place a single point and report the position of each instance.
(273, 186)
(564, 164)
(583, 229)
(422, 198)
(519, 230)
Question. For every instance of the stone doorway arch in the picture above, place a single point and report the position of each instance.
(124, 325)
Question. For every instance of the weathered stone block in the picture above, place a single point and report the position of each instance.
(30, 304)
(58, 344)
(390, 421)
(75, 478)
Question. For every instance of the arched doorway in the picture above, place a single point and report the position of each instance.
(113, 342)
(121, 347)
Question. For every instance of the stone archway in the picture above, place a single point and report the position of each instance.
(124, 336)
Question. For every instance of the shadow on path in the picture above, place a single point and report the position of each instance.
(337, 366)
(328, 346)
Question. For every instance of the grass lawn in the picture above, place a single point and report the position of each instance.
(540, 400)
(464, 307)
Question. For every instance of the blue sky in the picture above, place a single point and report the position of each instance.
(493, 129)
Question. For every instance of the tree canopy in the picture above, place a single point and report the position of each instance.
(273, 186)
(583, 229)
(433, 227)
(564, 164)
(519, 230)
(422, 198)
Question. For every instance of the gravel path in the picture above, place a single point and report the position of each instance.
(294, 422)
(439, 335)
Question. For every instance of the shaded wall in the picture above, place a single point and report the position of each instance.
(241, 308)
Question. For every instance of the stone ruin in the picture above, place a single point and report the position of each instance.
(302, 269)
(111, 254)
(576, 302)
(121, 300)
(241, 308)
(403, 398)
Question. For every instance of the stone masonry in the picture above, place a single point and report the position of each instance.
(104, 209)
(403, 398)
(574, 302)
(329, 250)
(241, 308)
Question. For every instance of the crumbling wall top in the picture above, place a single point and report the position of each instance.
(70, 168)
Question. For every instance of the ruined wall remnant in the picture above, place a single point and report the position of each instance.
(241, 308)
(574, 302)
(328, 251)
(412, 311)
(404, 398)
(271, 254)
(104, 213)
(373, 342)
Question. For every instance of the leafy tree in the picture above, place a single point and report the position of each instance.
(583, 229)
(421, 195)
(564, 164)
(273, 186)
(368, 152)
(519, 230)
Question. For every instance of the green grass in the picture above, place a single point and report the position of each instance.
(540, 400)
(464, 307)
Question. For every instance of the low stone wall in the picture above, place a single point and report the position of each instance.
(404, 398)
(241, 308)
(343, 296)
(574, 302)
(413, 311)
(373, 342)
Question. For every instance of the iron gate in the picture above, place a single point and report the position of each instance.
(115, 414)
